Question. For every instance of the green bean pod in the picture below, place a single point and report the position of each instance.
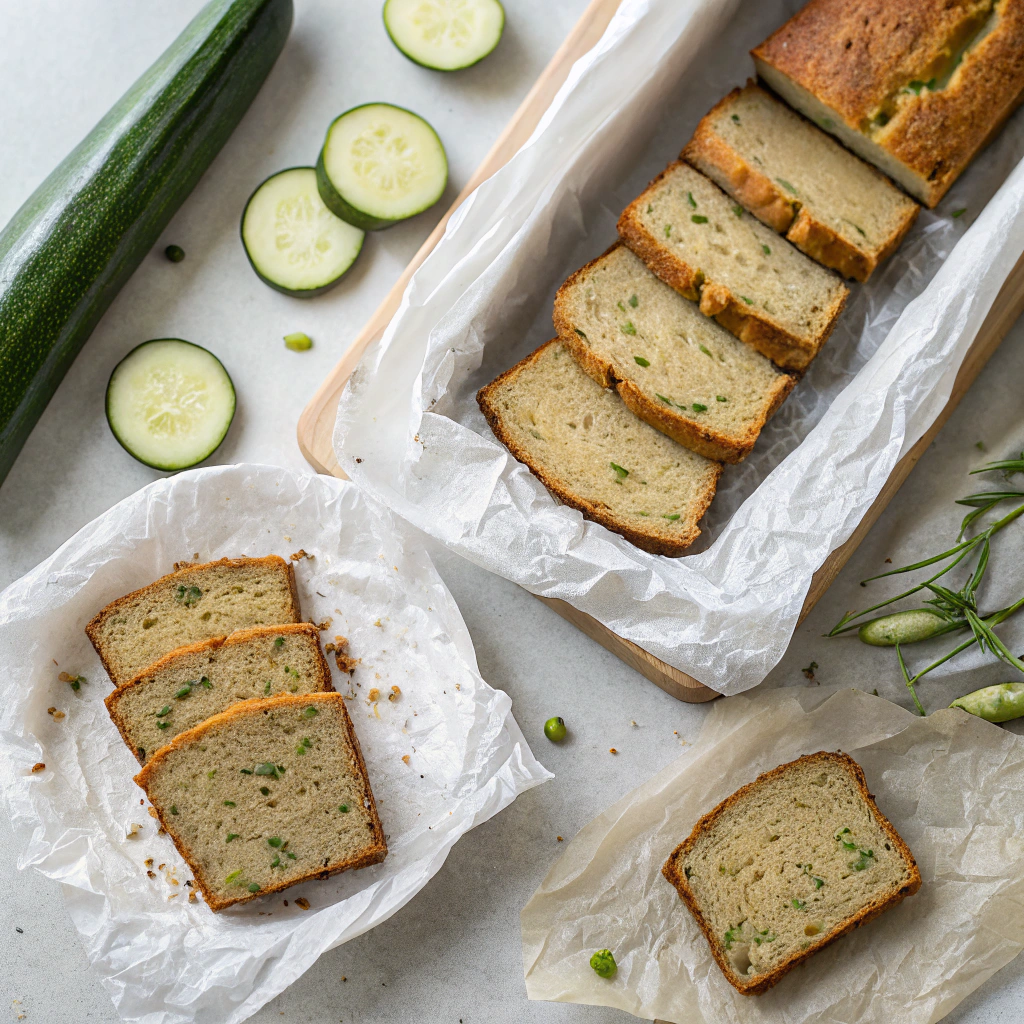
(999, 703)
(903, 628)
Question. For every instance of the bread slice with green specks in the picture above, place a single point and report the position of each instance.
(196, 682)
(758, 286)
(590, 451)
(796, 179)
(265, 795)
(788, 864)
(674, 368)
(193, 603)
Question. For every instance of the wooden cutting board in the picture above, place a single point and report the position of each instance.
(316, 425)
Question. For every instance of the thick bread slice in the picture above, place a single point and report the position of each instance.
(916, 87)
(787, 865)
(796, 179)
(196, 682)
(590, 451)
(675, 369)
(755, 284)
(265, 795)
(193, 603)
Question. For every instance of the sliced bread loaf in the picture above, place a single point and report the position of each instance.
(673, 367)
(196, 602)
(796, 179)
(196, 682)
(787, 865)
(757, 285)
(265, 795)
(590, 451)
(916, 87)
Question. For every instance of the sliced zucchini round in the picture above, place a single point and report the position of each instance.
(380, 164)
(445, 35)
(294, 243)
(170, 403)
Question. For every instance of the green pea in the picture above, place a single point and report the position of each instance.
(903, 628)
(999, 703)
(554, 729)
(298, 342)
(174, 253)
(604, 963)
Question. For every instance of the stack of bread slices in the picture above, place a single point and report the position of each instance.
(248, 755)
(676, 345)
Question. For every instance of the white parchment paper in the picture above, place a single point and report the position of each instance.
(409, 431)
(952, 785)
(164, 960)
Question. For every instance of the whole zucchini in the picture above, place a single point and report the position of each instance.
(81, 234)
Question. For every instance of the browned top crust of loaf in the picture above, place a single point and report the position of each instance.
(858, 57)
(646, 541)
(376, 851)
(241, 636)
(94, 626)
(761, 983)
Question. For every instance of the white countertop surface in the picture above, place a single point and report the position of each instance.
(453, 954)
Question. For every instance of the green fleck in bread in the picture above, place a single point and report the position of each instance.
(196, 682)
(916, 87)
(787, 865)
(796, 179)
(590, 451)
(674, 368)
(196, 602)
(754, 283)
(265, 795)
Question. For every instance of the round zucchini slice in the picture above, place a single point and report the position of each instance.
(379, 165)
(170, 403)
(445, 35)
(294, 243)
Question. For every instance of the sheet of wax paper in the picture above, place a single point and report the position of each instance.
(162, 959)
(409, 431)
(952, 785)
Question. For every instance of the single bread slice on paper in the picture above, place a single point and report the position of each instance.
(916, 87)
(265, 795)
(796, 179)
(196, 602)
(754, 283)
(674, 368)
(196, 682)
(590, 451)
(788, 864)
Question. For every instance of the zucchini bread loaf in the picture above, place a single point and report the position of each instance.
(589, 450)
(265, 795)
(196, 682)
(787, 865)
(196, 602)
(796, 179)
(916, 87)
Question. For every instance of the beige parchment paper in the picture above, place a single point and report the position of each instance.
(952, 785)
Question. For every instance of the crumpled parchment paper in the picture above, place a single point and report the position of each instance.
(162, 959)
(952, 785)
(409, 431)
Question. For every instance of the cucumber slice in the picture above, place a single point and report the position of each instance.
(294, 243)
(380, 164)
(170, 403)
(445, 35)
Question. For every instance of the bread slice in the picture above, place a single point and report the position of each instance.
(757, 285)
(675, 369)
(787, 865)
(796, 179)
(916, 87)
(590, 451)
(196, 682)
(265, 795)
(196, 602)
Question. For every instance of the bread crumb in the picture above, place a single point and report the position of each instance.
(39, 766)
(323, 626)
(612, 750)
(152, 813)
(342, 659)
(632, 722)
(395, 693)
(377, 623)
(173, 895)
(148, 862)
(559, 838)
(151, 874)
(288, 539)
(133, 831)
(302, 902)
(405, 758)
(373, 695)
(192, 896)
(299, 555)
(55, 714)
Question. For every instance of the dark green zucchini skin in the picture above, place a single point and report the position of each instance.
(68, 251)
